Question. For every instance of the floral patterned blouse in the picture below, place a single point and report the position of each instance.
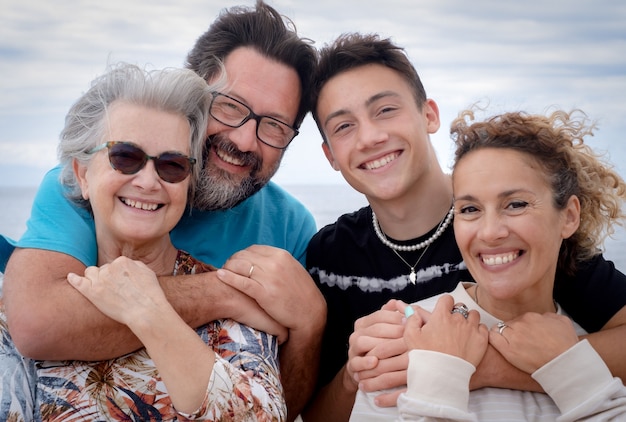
(244, 385)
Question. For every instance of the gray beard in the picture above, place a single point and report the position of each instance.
(219, 190)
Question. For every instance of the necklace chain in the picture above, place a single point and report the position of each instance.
(412, 274)
(422, 245)
(406, 248)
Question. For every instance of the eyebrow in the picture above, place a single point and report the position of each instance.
(501, 195)
(368, 102)
(281, 118)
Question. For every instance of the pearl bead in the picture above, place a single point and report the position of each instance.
(405, 248)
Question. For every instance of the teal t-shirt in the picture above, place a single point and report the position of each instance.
(270, 217)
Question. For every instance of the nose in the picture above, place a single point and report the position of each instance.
(244, 136)
(370, 134)
(147, 178)
(492, 227)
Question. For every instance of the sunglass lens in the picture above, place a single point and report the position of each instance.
(173, 168)
(126, 158)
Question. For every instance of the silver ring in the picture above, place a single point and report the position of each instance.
(501, 326)
(460, 308)
(251, 269)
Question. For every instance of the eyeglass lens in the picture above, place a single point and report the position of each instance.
(129, 159)
(234, 113)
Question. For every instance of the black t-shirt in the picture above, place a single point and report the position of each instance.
(357, 275)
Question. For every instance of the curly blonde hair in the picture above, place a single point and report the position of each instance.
(570, 166)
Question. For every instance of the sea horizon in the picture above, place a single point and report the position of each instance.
(325, 201)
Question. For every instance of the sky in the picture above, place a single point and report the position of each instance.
(535, 55)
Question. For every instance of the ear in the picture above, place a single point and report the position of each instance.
(329, 156)
(571, 214)
(80, 171)
(431, 112)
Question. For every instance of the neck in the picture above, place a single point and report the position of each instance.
(415, 213)
(514, 307)
(158, 255)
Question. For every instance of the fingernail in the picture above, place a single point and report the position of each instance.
(73, 278)
(408, 311)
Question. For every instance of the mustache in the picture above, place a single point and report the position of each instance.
(222, 143)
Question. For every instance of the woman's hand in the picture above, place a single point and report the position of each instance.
(448, 332)
(124, 290)
(532, 340)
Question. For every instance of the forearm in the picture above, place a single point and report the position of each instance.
(495, 371)
(183, 360)
(336, 399)
(610, 344)
(49, 319)
(299, 365)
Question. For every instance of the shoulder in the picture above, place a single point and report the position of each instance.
(51, 192)
(273, 191)
(349, 231)
(270, 217)
(271, 204)
(51, 183)
(348, 226)
(594, 294)
(277, 201)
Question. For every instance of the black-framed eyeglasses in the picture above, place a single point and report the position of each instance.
(234, 113)
(128, 158)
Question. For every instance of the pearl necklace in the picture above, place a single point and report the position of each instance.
(442, 227)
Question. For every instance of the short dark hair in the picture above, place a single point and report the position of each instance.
(266, 31)
(353, 50)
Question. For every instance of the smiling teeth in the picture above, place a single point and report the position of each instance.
(372, 165)
(228, 158)
(140, 205)
(500, 259)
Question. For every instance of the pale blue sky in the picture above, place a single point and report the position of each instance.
(515, 55)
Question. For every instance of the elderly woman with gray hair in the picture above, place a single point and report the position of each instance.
(130, 150)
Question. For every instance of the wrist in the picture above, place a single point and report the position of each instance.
(349, 383)
(311, 324)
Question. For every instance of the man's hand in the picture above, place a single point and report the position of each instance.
(278, 283)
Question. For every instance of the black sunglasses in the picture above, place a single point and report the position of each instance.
(128, 158)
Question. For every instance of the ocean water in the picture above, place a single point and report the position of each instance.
(15, 203)
(326, 202)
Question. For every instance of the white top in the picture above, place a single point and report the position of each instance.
(438, 387)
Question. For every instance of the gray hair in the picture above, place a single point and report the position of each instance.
(179, 91)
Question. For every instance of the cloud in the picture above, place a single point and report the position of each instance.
(529, 55)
